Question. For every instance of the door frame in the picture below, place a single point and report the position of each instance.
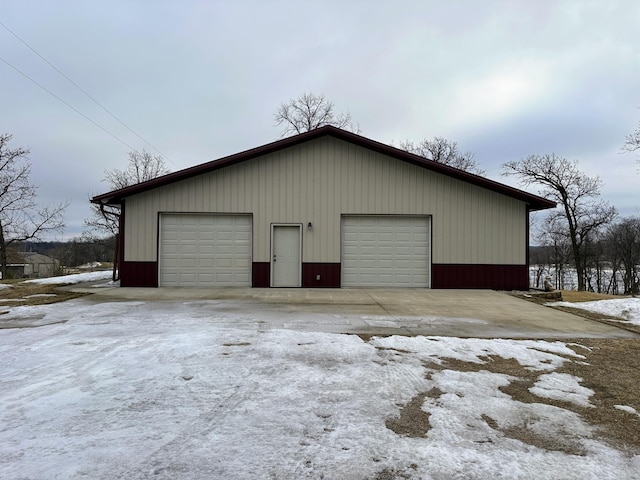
(274, 226)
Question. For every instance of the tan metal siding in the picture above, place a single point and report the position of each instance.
(324, 178)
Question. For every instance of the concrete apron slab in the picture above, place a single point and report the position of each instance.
(460, 313)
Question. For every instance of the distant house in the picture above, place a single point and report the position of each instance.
(31, 265)
(327, 208)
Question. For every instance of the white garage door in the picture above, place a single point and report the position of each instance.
(199, 250)
(385, 251)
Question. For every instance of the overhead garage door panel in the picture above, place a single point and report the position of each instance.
(201, 250)
(385, 251)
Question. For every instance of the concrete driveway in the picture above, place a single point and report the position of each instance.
(460, 313)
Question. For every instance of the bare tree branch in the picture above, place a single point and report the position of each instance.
(632, 142)
(443, 151)
(308, 112)
(20, 217)
(142, 166)
(581, 215)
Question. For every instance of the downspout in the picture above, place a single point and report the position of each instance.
(528, 246)
(119, 250)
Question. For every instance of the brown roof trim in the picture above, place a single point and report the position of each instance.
(117, 196)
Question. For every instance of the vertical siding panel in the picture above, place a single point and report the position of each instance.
(292, 187)
(348, 184)
(502, 225)
(296, 163)
(261, 235)
(226, 190)
(463, 226)
(284, 173)
(337, 164)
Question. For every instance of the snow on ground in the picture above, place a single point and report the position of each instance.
(627, 408)
(627, 308)
(137, 390)
(75, 278)
(561, 386)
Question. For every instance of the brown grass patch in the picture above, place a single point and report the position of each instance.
(613, 373)
(413, 421)
(564, 443)
(611, 369)
(28, 294)
(575, 296)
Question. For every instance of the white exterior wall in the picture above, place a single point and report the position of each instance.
(325, 178)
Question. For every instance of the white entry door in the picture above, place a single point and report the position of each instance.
(286, 262)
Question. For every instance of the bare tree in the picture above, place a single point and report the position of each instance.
(624, 242)
(142, 166)
(308, 112)
(581, 212)
(632, 142)
(443, 151)
(555, 254)
(21, 218)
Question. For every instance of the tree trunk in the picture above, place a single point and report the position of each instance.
(576, 249)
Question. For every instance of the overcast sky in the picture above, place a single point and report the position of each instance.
(199, 80)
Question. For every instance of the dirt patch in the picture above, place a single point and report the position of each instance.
(575, 296)
(572, 296)
(29, 294)
(413, 421)
(611, 369)
(564, 443)
(395, 474)
(613, 373)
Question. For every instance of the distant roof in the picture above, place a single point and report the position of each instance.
(23, 258)
(116, 197)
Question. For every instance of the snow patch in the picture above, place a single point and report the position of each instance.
(75, 278)
(627, 308)
(627, 408)
(563, 387)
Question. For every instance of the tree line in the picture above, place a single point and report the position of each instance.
(73, 253)
(610, 260)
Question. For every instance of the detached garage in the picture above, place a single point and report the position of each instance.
(327, 208)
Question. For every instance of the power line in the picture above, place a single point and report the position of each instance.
(67, 104)
(81, 89)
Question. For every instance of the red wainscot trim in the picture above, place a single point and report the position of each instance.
(261, 275)
(494, 277)
(138, 274)
(329, 275)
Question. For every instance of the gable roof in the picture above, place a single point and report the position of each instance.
(117, 197)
